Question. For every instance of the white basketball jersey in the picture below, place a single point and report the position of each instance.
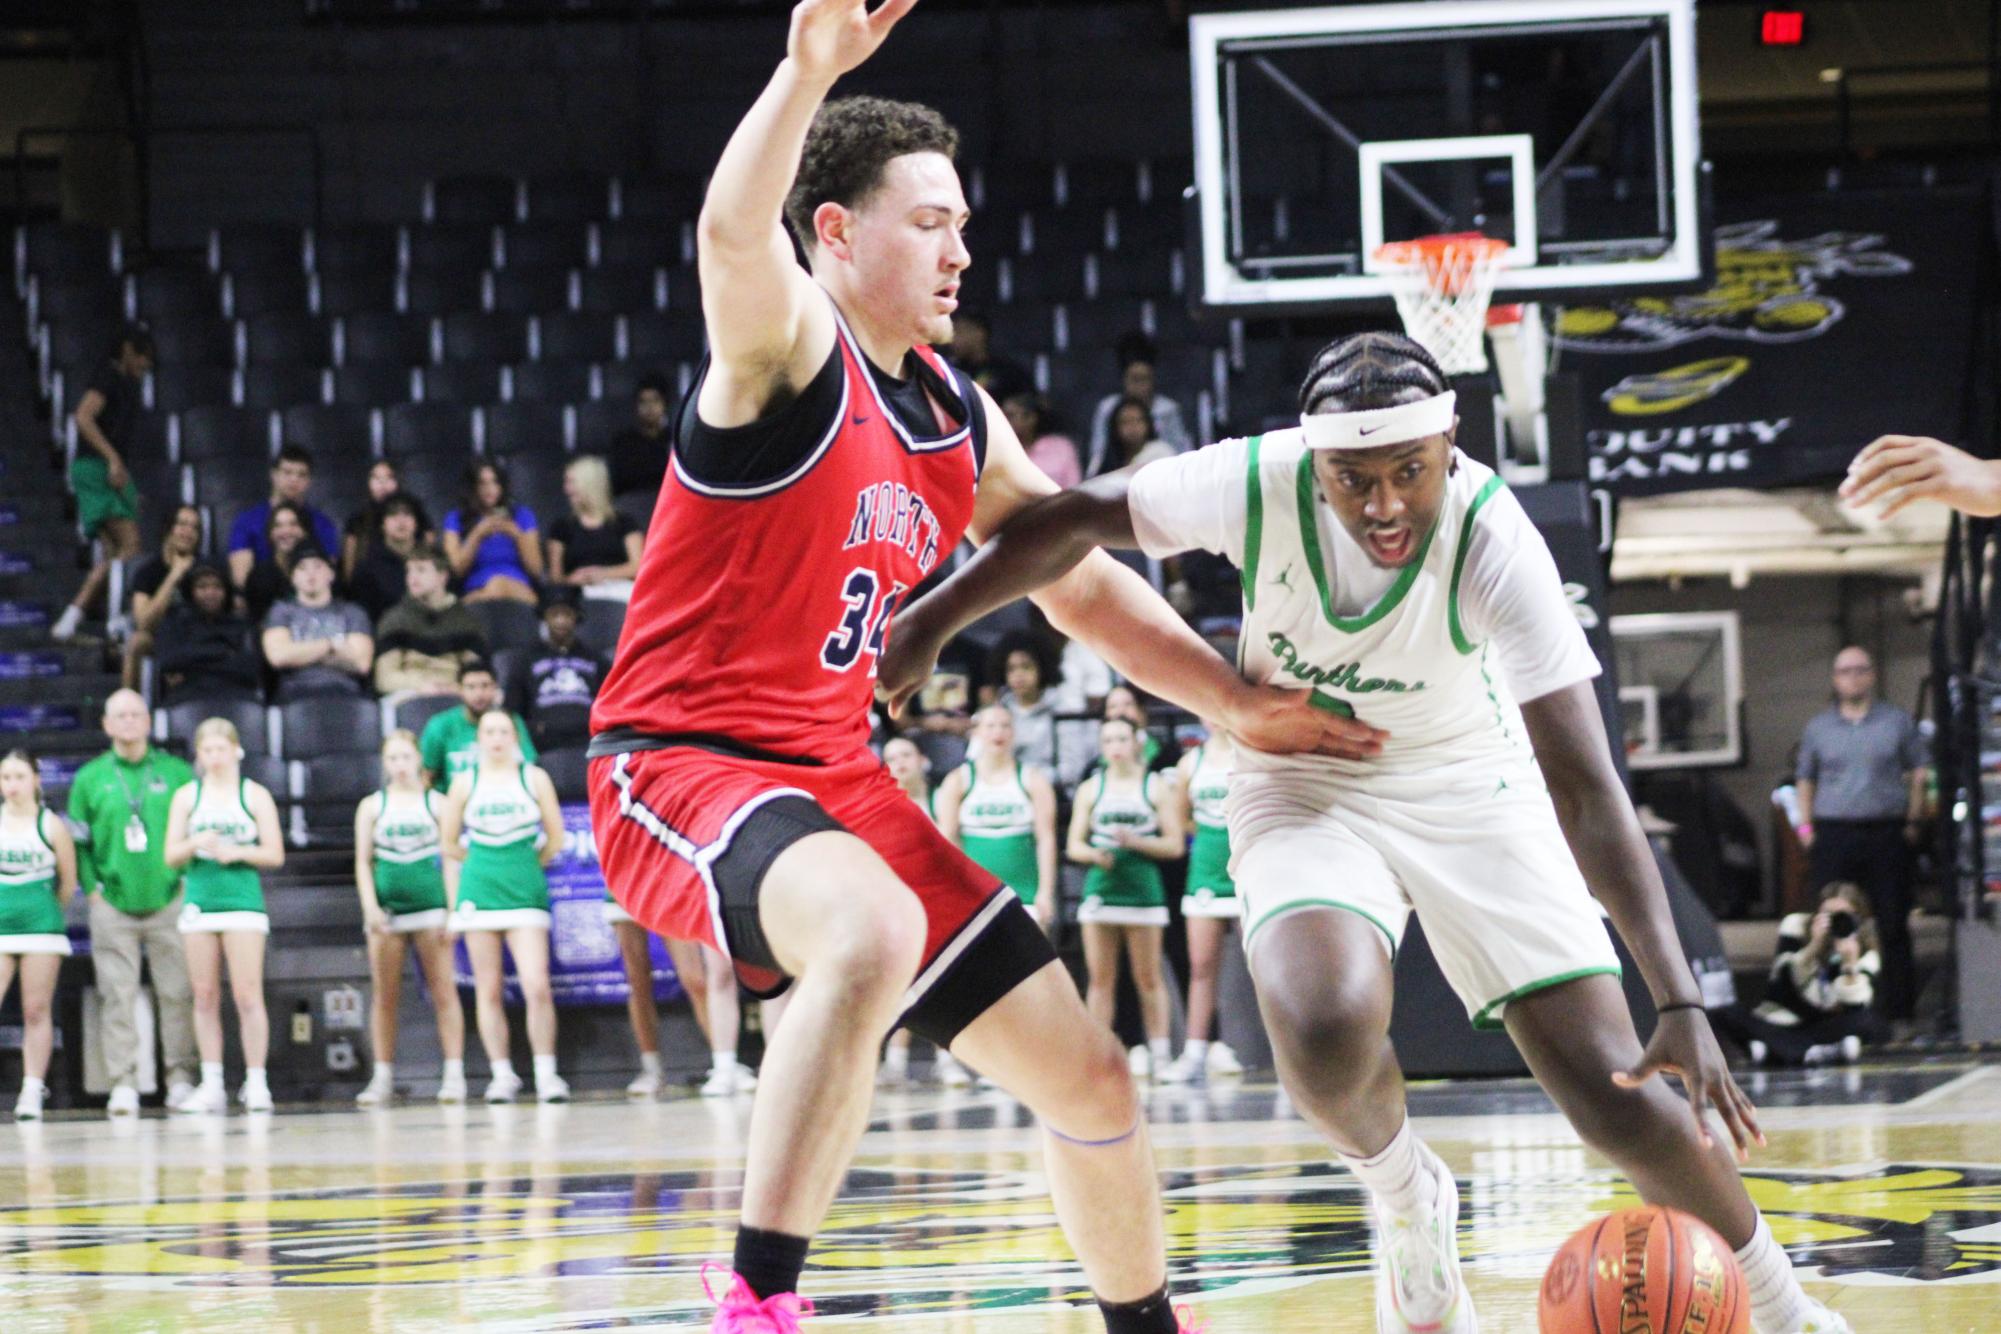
(1404, 663)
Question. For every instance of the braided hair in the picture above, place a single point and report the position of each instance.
(1367, 371)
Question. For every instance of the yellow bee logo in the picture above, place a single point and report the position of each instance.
(1654, 393)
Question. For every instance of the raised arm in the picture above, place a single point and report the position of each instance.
(769, 326)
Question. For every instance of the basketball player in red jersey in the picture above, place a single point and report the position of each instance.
(827, 460)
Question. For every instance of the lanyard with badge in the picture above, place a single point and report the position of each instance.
(135, 828)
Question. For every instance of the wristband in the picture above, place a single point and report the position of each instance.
(1680, 1005)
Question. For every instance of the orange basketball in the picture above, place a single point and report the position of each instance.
(1644, 1271)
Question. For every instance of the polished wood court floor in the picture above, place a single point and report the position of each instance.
(1883, 1180)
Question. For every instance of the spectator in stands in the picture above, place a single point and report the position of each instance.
(364, 526)
(637, 455)
(492, 542)
(450, 744)
(224, 829)
(1817, 1004)
(159, 585)
(1028, 665)
(249, 535)
(554, 684)
(118, 805)
(107, 500)
(316, 643)
(593, 546)
(377, 582)
(287, 532)
(205, 648)
(972, 352)
(423, 641)
(1122, 701)
(1133, 443)
(1137, 357)
(38, 859)
(1028, 413)
(1861, 778)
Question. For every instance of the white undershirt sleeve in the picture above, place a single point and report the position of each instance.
(1193, 500)
(1510, 593)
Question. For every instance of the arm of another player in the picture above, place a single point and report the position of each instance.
(768, 322)
(1897, 469)
(1604, 835)
(1038, 540)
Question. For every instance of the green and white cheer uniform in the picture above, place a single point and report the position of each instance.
(31, 915)
(1130, 892)
(997, 829)
(502, 885)
(409, 867)
(1452, 819)
(223, 897)
(1211, 891)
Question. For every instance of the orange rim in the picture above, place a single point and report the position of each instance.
(1436, 257)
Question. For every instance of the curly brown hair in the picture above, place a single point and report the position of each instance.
(850, 143)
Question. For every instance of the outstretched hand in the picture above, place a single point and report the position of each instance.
(1285, 722)
(1684, 1046)
(831, 37)
(1898, 469)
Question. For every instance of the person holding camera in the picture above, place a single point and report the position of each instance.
(1816, 1009)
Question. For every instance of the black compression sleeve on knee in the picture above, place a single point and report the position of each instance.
(770, 1261)
(1150, 1315)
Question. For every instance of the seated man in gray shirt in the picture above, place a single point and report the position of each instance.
(315, 643)
(1861, 778)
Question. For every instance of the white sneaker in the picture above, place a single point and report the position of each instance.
(452, 1089)
(722, 1083)
(645, 1085)
(255, 1097)
(378, 1092)
(1418, 1285)
(177, 1093)
(205, 1100)
(28, 1107)
(1184, 1069)
(125, 1101)
(1223, 1061)
(553, 1089)
(746, 1078)
(947, 1071)
(503, 1088)
(1140, 1061)
(1820, 1320)
(889, 1076)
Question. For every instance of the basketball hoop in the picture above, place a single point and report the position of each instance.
(1442, 286)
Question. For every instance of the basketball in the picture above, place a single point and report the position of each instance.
(1644, 1271)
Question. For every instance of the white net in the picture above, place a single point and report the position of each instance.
(1442, 286)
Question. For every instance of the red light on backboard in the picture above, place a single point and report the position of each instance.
(1782, 27)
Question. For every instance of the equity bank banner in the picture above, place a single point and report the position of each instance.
(1833, 319)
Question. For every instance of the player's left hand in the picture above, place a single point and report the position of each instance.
(1285, 722)
(1684, 1046)
(1897, 469)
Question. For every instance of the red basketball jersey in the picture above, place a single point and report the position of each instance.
(759, 610)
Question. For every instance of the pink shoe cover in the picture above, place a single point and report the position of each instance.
(738, 1310)
(1189, 1324)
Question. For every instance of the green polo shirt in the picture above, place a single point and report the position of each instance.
(451, 745)
(102, 801)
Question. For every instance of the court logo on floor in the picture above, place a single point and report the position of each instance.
(917, 1240)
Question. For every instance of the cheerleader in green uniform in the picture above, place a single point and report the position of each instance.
(37, 882)
(1210, 904)
(399, 873)
(1124, 821)
(1003, 813)
(512, 829)
(224, 829)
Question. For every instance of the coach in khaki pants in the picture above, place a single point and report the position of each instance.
(120, 802)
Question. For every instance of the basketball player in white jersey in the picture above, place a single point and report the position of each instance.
(1898, 469)
(1405, 584)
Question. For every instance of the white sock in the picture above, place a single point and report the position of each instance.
(1399, 1176)
(502, 1069)
(1162, 1051)
(1777, 1301)
(545, 1069)
(385, 1073)
(1195, 1051)
(253, 1077)
(723, 1061)
(211, 1073)
(456, 1069)
(649, 1062)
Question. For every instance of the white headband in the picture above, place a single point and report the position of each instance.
(1382, 426)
